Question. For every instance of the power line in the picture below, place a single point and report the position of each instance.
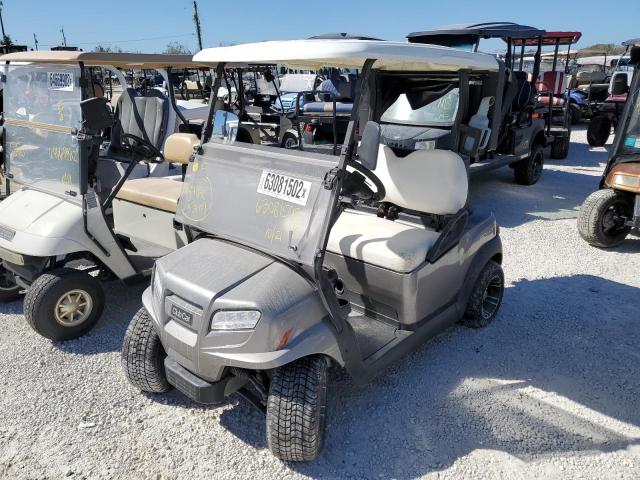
(124, 41)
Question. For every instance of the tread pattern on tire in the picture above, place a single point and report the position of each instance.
(473, 314)
(34, 298)
(590, 216)
(296, 409)
(521, 169)
(142, 355)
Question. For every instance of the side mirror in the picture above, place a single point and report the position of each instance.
(96, 113)
(225, 126)
(369, 145)
(634, 56)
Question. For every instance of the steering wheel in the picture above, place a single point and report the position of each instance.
(141, 148)
(355, 183)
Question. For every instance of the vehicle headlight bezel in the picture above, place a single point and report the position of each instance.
(235, 320)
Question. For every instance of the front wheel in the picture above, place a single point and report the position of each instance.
(9, 289)
(486, 296)
(289, 141)
(142, 355)
(64, 304)
(560, 147)
(529, 170)
(602, 221)
(598, 131)
(296, 409)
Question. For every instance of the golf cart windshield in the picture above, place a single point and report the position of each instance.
(631, 138)
(438, 112)
(270, 199)
(42, 111)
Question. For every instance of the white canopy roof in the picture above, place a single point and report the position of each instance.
(314, 54)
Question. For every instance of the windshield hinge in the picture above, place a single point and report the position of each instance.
(330, 178)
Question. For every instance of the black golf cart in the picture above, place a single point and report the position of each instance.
(608, 215)
(499, 125)
(608, 112)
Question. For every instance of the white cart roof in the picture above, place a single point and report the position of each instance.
(313, 54)
(121, 60)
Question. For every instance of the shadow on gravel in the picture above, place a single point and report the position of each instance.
(121, 303)
(556, 372)
(558, 194)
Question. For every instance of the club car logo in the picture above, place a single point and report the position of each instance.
(60, 81)
(181, 314)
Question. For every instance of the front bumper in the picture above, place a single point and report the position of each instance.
(198, 389)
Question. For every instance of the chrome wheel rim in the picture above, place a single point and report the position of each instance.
(491, 297)
(73, 308)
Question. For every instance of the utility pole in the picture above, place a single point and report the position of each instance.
(64, 39)
(1, 22)
(196, 21)
(35, 39)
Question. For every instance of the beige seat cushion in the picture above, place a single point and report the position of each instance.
(395, 245)
(161, 193)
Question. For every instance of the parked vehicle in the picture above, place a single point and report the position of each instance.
(79, 202)
(498, 108)
(609, 111)
(318, 264)
(608, 215)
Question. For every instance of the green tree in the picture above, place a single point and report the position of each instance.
(608, 48)
(107, 49)
(6, 40)
(177, 48)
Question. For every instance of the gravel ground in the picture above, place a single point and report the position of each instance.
(547, 391)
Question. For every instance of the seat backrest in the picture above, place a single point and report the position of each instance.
(510, 92)
(551, 83)
(523, 95)
(427, 181)
(145, 117)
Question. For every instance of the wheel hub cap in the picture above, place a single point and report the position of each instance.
(73, 308)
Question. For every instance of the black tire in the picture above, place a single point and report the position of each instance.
(289, 141)
(529, 170)
(142, 355)
(45, 296)
(560, 146)
(576, 113)
(9, 289)
(601, 218)
(486, 296)
(598, 131)
(296, 409)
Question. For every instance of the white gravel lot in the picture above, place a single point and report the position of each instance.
(549, 390)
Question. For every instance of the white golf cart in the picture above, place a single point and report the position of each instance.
(109, 209)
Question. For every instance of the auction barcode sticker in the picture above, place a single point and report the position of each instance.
(61, 81)
(284, 187)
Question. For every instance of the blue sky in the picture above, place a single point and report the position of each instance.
(149, 26)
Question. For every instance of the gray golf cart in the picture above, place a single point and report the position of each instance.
(511, 131)
(609, 214)
(80, 203)
(303, 260)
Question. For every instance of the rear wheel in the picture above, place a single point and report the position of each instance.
(296, 409)
(598, 131)
(560, 146)
(576, 113)
(64, 304)
(529, 170)
(486, 296)
(142, 355)
(289, 141)
(602, 218)
(9, 289)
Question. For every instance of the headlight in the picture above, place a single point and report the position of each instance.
(235, 319)
(626, 181)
